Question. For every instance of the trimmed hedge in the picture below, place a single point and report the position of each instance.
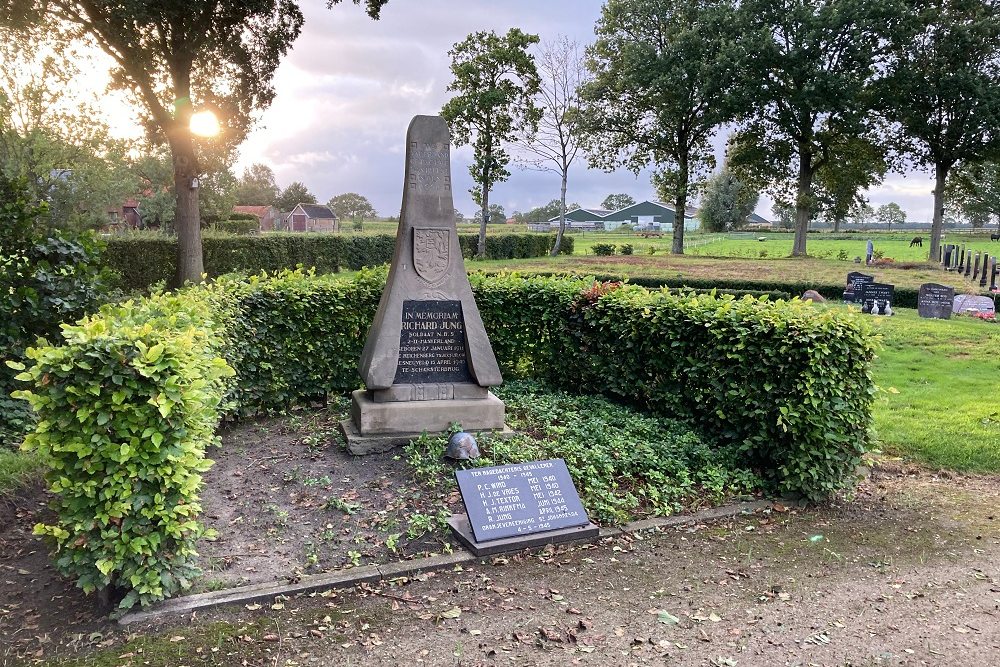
(133, 393)
(903, 297)
(143, 260)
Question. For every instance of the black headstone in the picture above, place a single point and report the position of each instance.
(855, 279)
(985, 276)
(935, 301)
(876, 293)
(975, 268)
(520, 499)
(993, 275)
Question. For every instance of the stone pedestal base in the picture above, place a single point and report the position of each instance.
(378, 427)
(459, 524)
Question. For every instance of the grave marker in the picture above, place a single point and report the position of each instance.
(855, 279)
(519, 506)
(935, 301)
(972, 303)
(427, 361)
(876, 296)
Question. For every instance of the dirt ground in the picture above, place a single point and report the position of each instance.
(904, 572)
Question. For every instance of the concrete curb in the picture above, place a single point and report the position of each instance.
(371, 573)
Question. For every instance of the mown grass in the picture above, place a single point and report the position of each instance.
(939, 402)
(17, 469)
(782, 269)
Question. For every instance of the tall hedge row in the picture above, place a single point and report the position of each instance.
(144, 260)
(133, 392)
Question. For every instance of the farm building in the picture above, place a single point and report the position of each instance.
(312, 218)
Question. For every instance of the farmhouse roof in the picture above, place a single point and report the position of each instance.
(259, 211)
(317, 211)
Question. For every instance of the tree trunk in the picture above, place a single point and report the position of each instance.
(680, 205)
(187, 222)
(940, 176)
(481, 247)
(836, 224)
(562, 216)
(803, 205)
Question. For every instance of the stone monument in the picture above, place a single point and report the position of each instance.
(427, 362)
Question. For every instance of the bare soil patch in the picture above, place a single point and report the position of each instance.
(903, 572)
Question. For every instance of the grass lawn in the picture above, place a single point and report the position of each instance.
(821, 271)
(17, 468)
(940, 403)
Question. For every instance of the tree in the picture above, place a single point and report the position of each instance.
(295, 193)
(352, 206)
(890, 214)
(257, 187)
(727, 202)
(975, 191)
(496, 215)
(495, 79)
(615, 202)
(546, 212)
(176, 57)
(811, 76)
(52, 139)
(553, 145)
(863, 214)
(855, 165)
(943, 89)
(784, 214)
(663, 72)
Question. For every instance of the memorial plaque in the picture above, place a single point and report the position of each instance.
(432, 343)
(879, 293)
(935, 301)
(855, 280)
(520, 499)
(973, 303)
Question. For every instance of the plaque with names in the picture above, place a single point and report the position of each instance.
(935, 301)
(432, 343)
(521, 499)
(880, 293)
(855, 283)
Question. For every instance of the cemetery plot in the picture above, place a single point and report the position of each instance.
(935, 301)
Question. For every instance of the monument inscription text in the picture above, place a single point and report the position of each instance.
(429, 169)
(432, 343)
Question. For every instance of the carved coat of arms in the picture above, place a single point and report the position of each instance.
(431, 252)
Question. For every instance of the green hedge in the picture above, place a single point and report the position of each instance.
(143, 260)
(904, 297)
(133, 393)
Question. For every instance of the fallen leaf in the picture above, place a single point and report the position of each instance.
(666, 617)
(454, 612)
(253, 607)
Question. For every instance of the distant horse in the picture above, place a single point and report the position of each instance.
(918, 240)
(994, 237)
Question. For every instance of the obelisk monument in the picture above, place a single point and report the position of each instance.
(427, 362)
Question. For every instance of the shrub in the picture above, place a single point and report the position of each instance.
(604, 249)
(126, 406)
(625, 249)
(785, 383)
(128, 402)
(238, 226)
(624, 462)
(143, 260)
(46, 278)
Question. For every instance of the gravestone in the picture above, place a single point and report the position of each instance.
(876, 295)
(993, 274)
(972, 303)
(968, 264)
(975, 269)
(935, 301)
(519, 506)
(855, 279)
(427, 361)
(984, 277)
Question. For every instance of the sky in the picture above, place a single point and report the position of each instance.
(348, 88)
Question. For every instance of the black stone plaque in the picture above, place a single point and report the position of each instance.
(876, 293)
(432, 343)
(855, 279)
(935, 301)
(520, 499)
